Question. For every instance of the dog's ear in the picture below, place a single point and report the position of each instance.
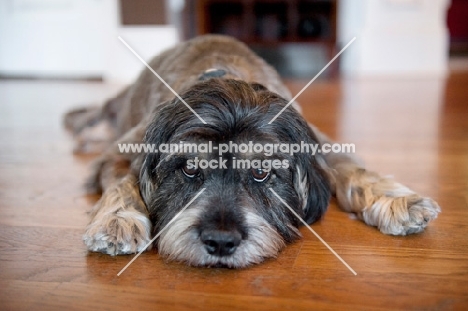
(147, 185)
(312, 186)
(159, 131)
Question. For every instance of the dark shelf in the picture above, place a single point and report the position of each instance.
(275, 29)
(264, 21)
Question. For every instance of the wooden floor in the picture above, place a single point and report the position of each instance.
(413, 129)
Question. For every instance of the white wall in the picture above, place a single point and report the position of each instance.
(122, 66)
(78, 38)
(74, 39)
(394, 37)
(52, 38)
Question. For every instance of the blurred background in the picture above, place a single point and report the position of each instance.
(77, 39)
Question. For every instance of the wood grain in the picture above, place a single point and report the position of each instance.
(414, 129)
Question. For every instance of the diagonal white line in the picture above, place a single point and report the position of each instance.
(312, 230)
(310, 82)
(161, 231)
(164, 82)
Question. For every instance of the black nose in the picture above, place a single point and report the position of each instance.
(220, 243)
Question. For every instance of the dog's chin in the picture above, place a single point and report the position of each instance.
(181, 242)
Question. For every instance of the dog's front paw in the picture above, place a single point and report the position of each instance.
(421, 212)
(118, 232)
(397, 210)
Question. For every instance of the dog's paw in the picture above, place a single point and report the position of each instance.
(421, 212)
(118, 232)
(397, 210)
(94, 139)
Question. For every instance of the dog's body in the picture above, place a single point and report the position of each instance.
(236, 221)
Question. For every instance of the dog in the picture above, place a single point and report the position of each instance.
(231, 96)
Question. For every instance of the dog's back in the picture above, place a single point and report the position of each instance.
(180, 67)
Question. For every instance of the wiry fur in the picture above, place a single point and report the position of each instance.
(142, 193)
(181, 242)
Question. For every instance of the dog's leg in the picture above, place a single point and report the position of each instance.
(119, 220)
(378, 201)
(120, 223)
(94, 127)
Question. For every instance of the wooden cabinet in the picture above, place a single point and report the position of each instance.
(263, 21)
(287, 34)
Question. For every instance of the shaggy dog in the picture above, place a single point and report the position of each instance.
(228, 96)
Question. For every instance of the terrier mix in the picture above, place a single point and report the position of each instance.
(237, 221)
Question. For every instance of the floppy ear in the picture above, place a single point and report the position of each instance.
(312, 186)
(159, 131)
(310, 180)
(147, 185)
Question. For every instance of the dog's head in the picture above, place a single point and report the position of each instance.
(237, 220)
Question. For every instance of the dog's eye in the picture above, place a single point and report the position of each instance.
(190, 171)
(260, 175)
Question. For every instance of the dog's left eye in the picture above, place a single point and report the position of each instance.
(190, 171)
(260, 175)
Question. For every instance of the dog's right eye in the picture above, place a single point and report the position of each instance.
(260, 175)
(190, 171)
